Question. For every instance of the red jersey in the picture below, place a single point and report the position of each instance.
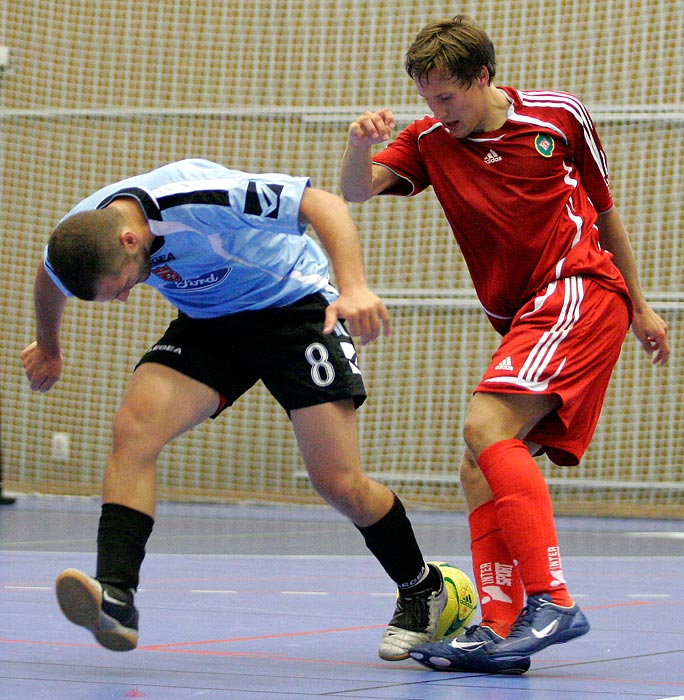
(522, 201)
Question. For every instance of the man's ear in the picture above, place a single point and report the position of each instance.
(130, 240)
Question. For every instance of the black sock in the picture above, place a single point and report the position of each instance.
(121, 539)
(393, 543)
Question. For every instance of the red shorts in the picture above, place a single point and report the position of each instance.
(565, 341)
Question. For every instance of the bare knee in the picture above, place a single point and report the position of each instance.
(134, 434)
(339, 489)
(361, 499)
(475, 437)
(495, 417)
(491, 418)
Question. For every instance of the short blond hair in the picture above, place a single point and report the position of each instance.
(85, 247)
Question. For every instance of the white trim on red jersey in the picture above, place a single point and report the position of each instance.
(570, 103)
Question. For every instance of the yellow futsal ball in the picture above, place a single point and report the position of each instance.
(461, 601)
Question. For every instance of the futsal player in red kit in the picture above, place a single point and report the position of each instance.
(522, 179)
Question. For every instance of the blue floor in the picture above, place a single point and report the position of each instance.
(256, 602)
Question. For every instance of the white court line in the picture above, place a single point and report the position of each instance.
(661, 536)
(27, 588)
(200, 591)
(649, 595)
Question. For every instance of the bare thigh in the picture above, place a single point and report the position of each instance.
(158, 405)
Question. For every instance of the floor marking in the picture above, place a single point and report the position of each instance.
(304, 593)
(658, 535)
(27, 588)
(177, 646)
(648, 595)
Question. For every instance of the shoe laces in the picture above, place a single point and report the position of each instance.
(479, 633)
(470, 631)
(524, 619)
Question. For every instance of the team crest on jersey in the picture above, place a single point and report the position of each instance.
(544, 145)
(167, 274)
(263, 199)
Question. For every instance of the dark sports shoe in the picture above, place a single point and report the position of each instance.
(414, 622)
(541, 624)
(108, 612)
(468, 652)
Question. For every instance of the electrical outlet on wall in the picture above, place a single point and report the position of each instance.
(61, 447)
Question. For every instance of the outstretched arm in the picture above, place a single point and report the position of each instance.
(647, 325)
(359, 178)
(365, 313)
(42, 359)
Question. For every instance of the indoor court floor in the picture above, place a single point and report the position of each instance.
(247, 602)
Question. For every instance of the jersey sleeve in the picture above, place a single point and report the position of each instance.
(269, 201)
(590, 159)
(404, 159)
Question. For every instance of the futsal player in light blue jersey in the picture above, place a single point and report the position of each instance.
(229, 250)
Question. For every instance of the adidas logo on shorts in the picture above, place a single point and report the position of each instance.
(505, 364)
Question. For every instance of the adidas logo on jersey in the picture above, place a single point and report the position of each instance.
(492, 157)
(505, 364)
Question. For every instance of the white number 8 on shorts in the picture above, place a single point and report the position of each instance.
(322, 372)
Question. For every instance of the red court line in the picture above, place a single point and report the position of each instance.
(408, 666)
(546, 672)
(630, 604)
(231, 640)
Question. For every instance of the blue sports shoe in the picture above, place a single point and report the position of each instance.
(540, 624)
(468, 652)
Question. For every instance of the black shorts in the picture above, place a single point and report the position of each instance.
(284, 347)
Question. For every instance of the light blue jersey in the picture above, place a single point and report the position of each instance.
(228, 241)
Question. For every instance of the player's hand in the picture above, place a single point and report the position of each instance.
(364, 312)
(43, 370)
(651, 330)
(371, 128)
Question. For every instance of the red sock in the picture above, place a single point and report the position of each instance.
(525, 513)
(497, 579)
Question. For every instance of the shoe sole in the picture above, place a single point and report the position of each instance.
(387, 657)
(515, 667)
(80, 599)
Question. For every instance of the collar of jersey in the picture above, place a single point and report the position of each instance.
(145, 199)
